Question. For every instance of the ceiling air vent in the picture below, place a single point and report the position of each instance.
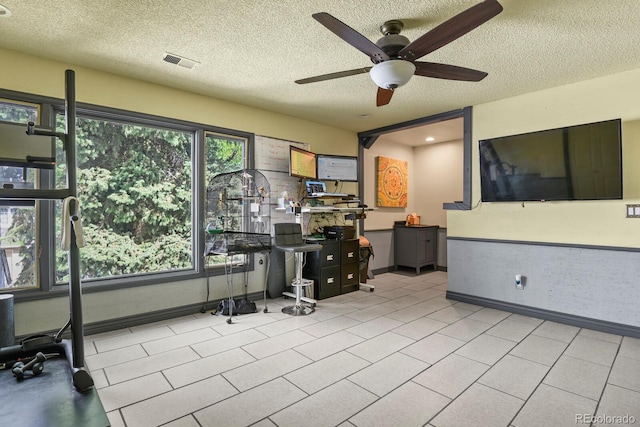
(179, 60)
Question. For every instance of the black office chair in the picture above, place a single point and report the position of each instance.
(287, 237)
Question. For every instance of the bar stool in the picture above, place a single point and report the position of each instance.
(287, 237)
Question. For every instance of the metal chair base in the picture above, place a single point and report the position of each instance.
(298, 310)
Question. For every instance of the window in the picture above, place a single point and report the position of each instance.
(140, 181)
(223, 153)
(134, 187)
(18, 112)
(18, 237)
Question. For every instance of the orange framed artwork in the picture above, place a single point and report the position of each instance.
(392, 182)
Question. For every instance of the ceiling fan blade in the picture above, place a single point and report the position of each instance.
(383, 97)
(351, 36)
(449, 72)
(451, 29)
(331, 76)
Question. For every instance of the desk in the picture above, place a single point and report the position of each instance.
(312, 210)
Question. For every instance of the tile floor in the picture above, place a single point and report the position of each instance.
(403, 355)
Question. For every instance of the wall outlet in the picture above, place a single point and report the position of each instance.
(519, 282)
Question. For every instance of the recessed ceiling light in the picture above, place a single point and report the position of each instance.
(430, 138)
(4, 12)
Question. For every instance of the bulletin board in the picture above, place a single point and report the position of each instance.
(272, 159)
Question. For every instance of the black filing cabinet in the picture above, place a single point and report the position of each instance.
(415, 246)
(323, 267)
(334, 269)
(350, 260)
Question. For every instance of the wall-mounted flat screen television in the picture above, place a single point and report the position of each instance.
(302, 163)
(337, 168)
(582, 162)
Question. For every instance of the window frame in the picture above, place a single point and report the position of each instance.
(48, 109)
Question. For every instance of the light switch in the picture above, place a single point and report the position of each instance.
(633, 211)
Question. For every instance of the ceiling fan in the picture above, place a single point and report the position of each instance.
(395, 58)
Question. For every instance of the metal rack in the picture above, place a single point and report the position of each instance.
(238, 222)
(73, 350)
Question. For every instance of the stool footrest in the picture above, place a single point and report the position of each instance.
(302, 282)
(305, 299)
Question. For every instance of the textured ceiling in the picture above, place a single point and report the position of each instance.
(250, 52)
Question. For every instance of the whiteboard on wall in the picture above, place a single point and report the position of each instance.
(272, 159)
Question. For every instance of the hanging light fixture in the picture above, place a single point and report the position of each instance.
(392, 74)
(4, 12)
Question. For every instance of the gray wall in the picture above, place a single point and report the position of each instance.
(442, 248)
(593, 282)
(382, 244)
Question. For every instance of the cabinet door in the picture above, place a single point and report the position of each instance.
(349, 251)
(426, 247)
(405, 247)
(327, 284)
(328, 256)
(330, 253)
(350, 278)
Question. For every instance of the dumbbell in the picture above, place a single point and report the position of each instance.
(35, 365)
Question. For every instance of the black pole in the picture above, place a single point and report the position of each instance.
(75, 291)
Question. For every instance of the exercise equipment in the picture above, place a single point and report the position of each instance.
(73, 350)
(35, 365)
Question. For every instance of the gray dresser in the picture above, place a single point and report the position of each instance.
(415, 245)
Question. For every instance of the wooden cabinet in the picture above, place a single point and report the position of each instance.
(334, 269)
(415, 246)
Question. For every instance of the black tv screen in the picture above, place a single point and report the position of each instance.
(582, 162)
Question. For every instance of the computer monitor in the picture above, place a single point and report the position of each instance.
(337, 168)
(302, 163)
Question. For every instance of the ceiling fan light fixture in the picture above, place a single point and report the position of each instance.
(392, 74)
(4, 12)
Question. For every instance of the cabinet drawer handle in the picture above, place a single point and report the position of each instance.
(329, 257)
(349, 254)
(350, 276)
(329, 279)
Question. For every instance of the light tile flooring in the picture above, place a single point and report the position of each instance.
(403, 355)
